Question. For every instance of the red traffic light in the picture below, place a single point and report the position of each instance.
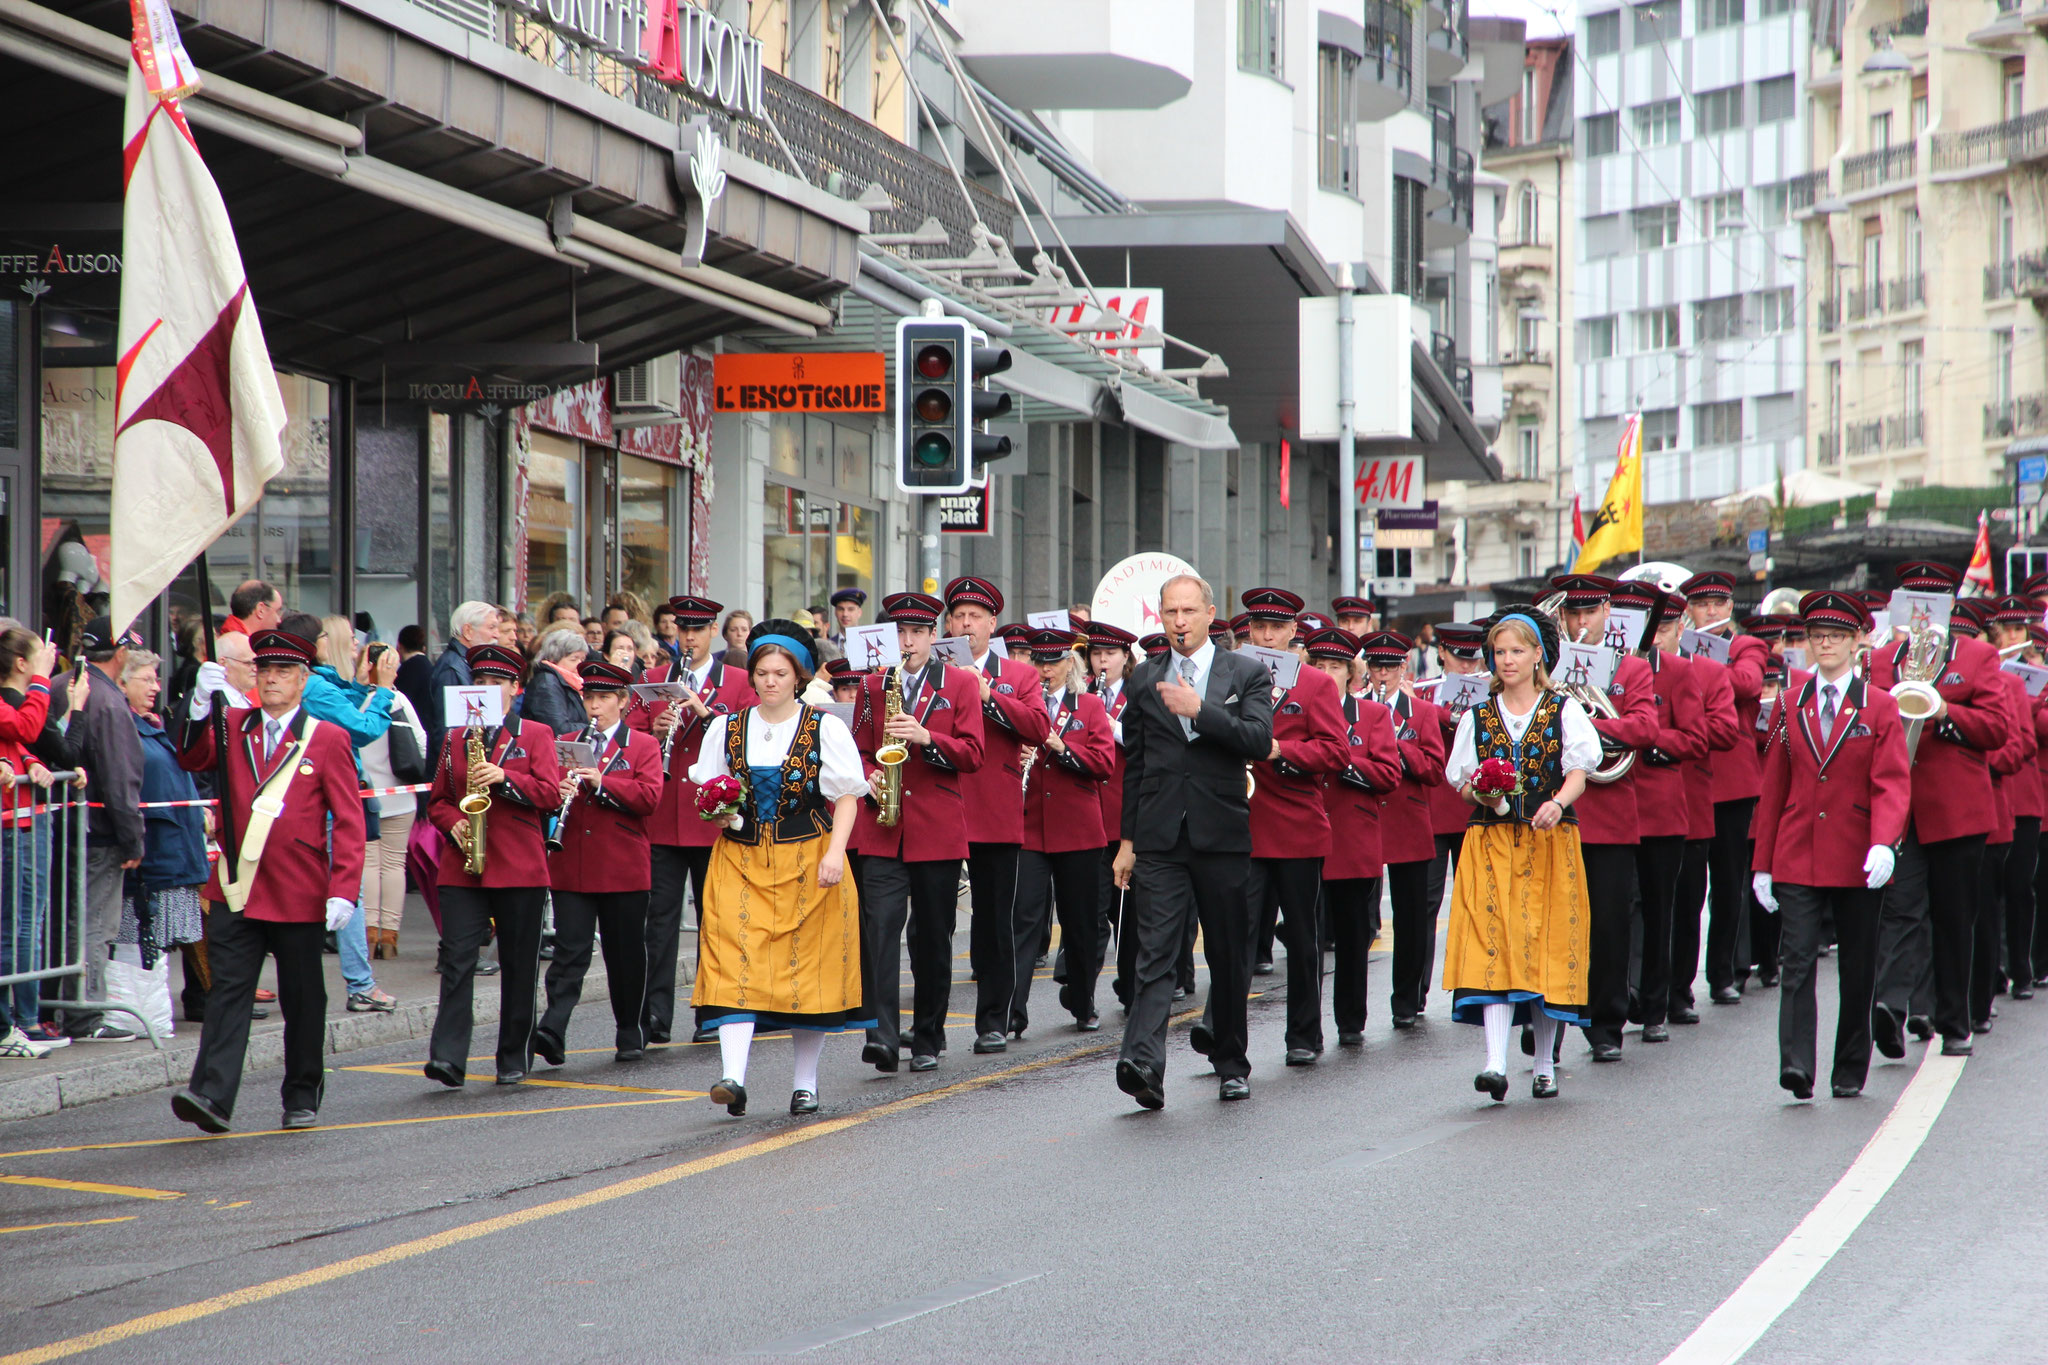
(935, 362)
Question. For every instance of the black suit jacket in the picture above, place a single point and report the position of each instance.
(1168, 779)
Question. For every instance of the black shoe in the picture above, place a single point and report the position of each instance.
(1656, 1033)
(1301, 1056)
(1348, 1038)
(258, 1012)
(447, 1073)
(704, 1035)
(1236, 1088)
(299, 1118)
(1607, 1052)
(1920, 1026)
(329, 944)
(1201, 1039)
(1980, 1026)
(1404, 1021)
(199, 1111)
(1179, 993)
(1768, 980)
(1684, 1015)
(1544, 1088)
(548, 1050)
(655, 1039)
(1141, 1083)
(1796, 1081)
(732, 1095)
(488, 968)
(1038, 963)
(1492, 1083)
(630, 1054)
(1528, 1041)
(1955, 1047)
(923, 1061)
(1262, 968)
(1059, 966)
(803, 1101)
(1092, 1024)
(1884, 1031)
(2022, 991)
(991, 1042)
(1727, 995)
(1844, 1091)
(880, 1056)
(511, 1077)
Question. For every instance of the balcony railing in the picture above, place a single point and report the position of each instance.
(1804, 189)
(1389, 45)
(1830, 319)
(2030, 276)
(2008, 6)
(1911, 24)
(1905, 430)
(1457, 178)
(1451, 37)
(1863, 438)
(1998, 279)
(1827, 447)
(1862, 303)
(1868, 170)
(1528, 357)
(2017, 139)
(2021, 415)
(1907, 292)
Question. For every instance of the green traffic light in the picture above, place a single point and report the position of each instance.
(932, 451)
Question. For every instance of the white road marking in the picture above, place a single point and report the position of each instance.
(890, 1315)
(1774, 1286)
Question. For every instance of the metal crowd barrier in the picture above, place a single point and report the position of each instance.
(43, 902)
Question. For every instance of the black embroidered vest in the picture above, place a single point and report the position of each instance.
(1539, 756)
(795, 809)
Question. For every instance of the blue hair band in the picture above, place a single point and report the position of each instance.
(1534, 629)
(794, 646)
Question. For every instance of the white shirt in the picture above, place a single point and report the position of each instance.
(1109, 696)
(1203, 657)
(376, 760)
(264, 751)
(1581, 741)
(839, 766)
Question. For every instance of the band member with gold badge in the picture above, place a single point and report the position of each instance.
(492, 795)
(599, 872)
(1609, 826)
(1834, 805)
(680, 843)
(2011, 618)
(290, 869)
(1063, 832)
(1929, 921)
(1351, 797)
(1012, 720)
(1664, 816)
(1407, 821)
(1461, 649)
(909, 869)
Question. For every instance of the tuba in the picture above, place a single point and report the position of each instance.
(1614, 763)
(1926, 650)
(475, 804)
(891, 754)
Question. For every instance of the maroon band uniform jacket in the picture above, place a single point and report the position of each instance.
(515, 849)
(604, 828)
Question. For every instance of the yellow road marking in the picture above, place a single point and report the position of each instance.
(412, 1069)
(468, 1232)
(88, 1223)
(91, 1187)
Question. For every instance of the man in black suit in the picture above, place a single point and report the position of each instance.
(1197, 716)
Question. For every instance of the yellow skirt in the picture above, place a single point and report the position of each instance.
(1520, 930)
(776, 948)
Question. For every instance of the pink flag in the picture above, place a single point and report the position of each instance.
(197, 408)
(1977, 578)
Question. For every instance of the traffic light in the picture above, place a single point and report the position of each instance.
(942, 402)
(985, 360)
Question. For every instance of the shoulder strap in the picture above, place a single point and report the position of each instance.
(264, 808)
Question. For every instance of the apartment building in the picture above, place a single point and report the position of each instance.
(1689, 281)
(1924, 225)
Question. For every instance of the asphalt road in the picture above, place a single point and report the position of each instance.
(1020, 1208)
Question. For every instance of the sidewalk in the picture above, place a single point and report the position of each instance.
(85, 1072)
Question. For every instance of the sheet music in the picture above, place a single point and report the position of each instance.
(2034, 677)
(1049, 620)
(476, 704)
(1587, 664)
(1696, 642)
(575, 753)
(1463, 691)
(872, 647)
(1283, 664)
(661, 693)
(957, 650)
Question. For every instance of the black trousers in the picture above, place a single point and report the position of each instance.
(992, 936)
(673, 869)
(1728, 861)
(620, 917)
(1349, 908)
(1659, 861)
(1990, 929)
(1294, 886)
(468, 915)
(2040, 951)
(1687, 904)
(235, 948)
(1170, 892)
(1443, 867)
(2020, 906)
(1066, 881)
(1925, 931)
(1414, 956)
(1125, 982)
(1804, 914)
(1610, 893)
(889, 890)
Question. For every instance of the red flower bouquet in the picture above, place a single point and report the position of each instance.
(1497, 778)
(719, 798)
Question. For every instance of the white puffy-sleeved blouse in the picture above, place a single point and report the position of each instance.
(839, 765)
(1581, 741)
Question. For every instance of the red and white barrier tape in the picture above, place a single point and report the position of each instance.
(20, 812)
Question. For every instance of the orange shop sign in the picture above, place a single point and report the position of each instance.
(828, 381)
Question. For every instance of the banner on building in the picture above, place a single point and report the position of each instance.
(779, 381)
(972, 513)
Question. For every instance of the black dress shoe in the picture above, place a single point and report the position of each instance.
(1607, 1052)
(1920, 1026)
(991, 1042)
(1727, 995)
(488, 968)
(704, 1035)
(880, 1056)
(258, 1012)
(656, 1039)
(1141, 1083)
(1492, 1083)
(630, 1054)
(2022, 991)
(447, 1073)
(1404, 1021)
(1179, 993)
(1038, 963)
(511, 1077)
(1092, 1024)
(1262, 968)
(199, 1111)
(1301, 1056)
(1844, 1091)
(1349, 1038)
(1980, 1026)
(1768, 980)
(732, 1095)
(1236, 1088)
(1955, 1047)
(1201, 1039)
(1684, 1015)
(548, 1050)
(1884, 1031)
(299, 1118)
(1656, 1033)
(803, 1101)
(1796, 1081)
(923, 1061)
(1544, 1088)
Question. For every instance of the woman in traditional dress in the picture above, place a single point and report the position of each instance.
(780, 942)
(1518, 946)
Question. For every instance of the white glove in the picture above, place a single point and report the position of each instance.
(1877, 867)
(339, 912)
(1761, 884)
(212, 678)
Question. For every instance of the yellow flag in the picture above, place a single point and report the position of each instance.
(1617, 527)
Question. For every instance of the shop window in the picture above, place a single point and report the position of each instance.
(819, 538)
(554, 517)
(649, 507)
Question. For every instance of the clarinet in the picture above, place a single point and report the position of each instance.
(675, 712)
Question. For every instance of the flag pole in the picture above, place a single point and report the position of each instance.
(218, 719)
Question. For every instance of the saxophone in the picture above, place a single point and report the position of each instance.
(891, 754)
(475, 803)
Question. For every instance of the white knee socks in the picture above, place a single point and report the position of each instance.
(810, 1045)
(1546, 1044)
(1499, 1020)
(734, 1041)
